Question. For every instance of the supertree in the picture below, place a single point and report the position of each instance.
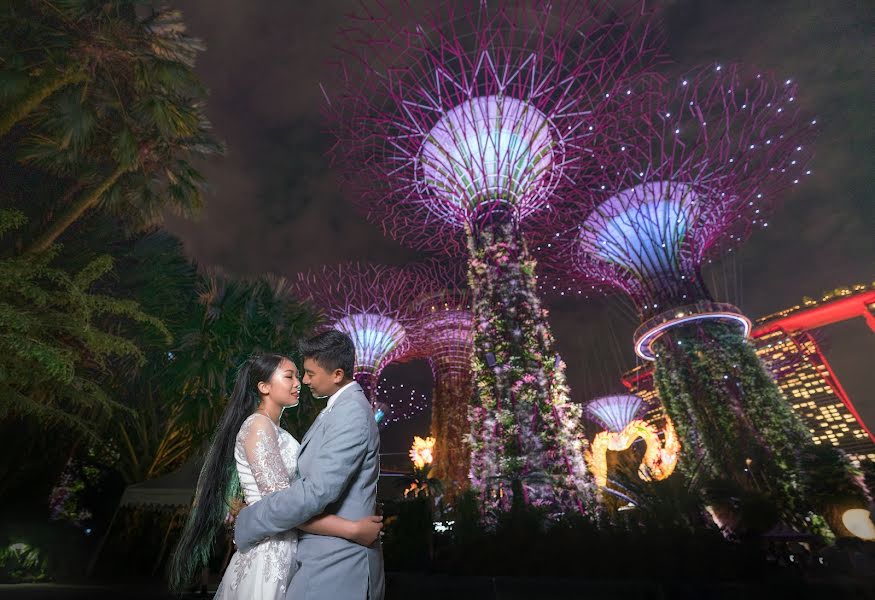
(461, 124)
(373, 304)
(693, 177)
(444, 335)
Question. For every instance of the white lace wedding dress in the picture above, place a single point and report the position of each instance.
(265, 454)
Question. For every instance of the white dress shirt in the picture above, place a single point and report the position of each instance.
(334, 396)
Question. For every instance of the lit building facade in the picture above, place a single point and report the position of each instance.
(785, 344)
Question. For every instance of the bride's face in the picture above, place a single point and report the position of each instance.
(284, 387)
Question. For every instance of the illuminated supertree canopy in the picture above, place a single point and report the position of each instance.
(614, 412)
(375, 337)
(451, 113)
(371, 303)
(691, 180)
(459, 125)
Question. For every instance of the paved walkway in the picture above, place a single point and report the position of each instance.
(427, 587)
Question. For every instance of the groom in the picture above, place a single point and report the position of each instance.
(338, 467)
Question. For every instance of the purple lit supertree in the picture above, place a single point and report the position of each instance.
(461, 125)
(373, 304)
(692, 178)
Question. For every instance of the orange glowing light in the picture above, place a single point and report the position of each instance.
(660, 457)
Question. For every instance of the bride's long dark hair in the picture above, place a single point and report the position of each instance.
(218, 483)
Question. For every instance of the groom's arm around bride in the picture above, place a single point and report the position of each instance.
(329, 474)
(338, 469)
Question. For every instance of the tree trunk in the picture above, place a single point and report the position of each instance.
(449, 424)
(74, 211)
(36, 98)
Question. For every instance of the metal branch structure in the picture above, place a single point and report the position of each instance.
(691, 180)
(614, 412)
(374, 304)
(459, 125)
(393, 403)
(450, 113)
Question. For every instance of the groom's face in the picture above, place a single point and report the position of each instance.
(320, 381)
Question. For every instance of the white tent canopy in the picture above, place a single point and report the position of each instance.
(174, 489)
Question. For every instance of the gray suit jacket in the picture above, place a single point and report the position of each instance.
(338, 468)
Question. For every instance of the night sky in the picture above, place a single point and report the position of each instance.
(276, 205)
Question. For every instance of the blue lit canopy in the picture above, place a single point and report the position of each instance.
(641, 228)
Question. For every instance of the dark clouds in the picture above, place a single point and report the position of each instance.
(277, 206)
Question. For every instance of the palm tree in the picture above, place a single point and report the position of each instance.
(57, 342)
(155, 272)
(237, 318)
(39, 58)
(107, 99)
(150, 441)
(178, 396)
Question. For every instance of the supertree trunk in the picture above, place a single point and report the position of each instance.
(449, 426)
(523, 429)
(732, 420)
(368, 383)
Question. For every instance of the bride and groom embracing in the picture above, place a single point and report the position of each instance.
(308, 531)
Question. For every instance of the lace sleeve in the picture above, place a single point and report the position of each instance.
(263, 455)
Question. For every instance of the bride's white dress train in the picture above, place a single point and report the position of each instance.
(265, 454)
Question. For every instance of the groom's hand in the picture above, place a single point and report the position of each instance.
(368, 530)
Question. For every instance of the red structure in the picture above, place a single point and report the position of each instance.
(848, 304)
(784, 342)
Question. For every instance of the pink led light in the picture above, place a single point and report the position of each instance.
(689, 180)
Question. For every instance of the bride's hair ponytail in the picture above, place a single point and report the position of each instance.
(218, 483)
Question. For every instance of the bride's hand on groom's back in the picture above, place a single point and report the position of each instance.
(234, 508)
(367, 531)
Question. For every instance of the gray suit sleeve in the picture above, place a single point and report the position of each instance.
(332, 468)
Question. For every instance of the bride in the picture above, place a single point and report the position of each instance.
(265, 455)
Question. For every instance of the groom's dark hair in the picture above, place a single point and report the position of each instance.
(331, 350)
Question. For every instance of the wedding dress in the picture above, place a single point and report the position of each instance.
(265, 454)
